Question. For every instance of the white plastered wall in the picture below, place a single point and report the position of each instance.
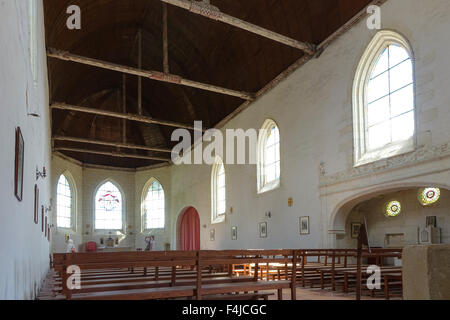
(24, 250)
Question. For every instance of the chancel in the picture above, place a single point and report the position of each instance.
(225, 150)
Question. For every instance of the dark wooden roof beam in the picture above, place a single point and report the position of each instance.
(211, 12)
(127, 116)
(153, 75)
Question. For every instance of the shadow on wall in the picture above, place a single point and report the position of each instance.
(396, 218)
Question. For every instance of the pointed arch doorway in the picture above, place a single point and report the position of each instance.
(189, 230)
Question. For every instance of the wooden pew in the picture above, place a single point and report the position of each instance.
(203, 284)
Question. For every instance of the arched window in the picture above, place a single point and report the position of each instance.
(218, 191)
(384, 101)
(268, 157)
(154, 206)
(64, 203)
(108, 208)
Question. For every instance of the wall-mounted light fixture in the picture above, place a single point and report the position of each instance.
(40, 174)
(48, 208)
(269, 214)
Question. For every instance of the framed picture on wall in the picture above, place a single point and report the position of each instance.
(304, 225)
(263, 230)
(36, 204)
(212, 235)
(356, 227)
(18, 169)
(46, 227)
(234, 233)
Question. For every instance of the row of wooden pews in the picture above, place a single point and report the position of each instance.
(168, 275)
(230, 274)
(335, 269)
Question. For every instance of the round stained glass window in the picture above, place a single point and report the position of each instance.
(429, 196)
(393, 209)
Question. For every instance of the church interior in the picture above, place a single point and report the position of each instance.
(225, 150)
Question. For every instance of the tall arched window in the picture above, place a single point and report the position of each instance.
(268, 157)
(64, 204)
(108, 208)
(154, 206)
(218, 191)
(384, 99)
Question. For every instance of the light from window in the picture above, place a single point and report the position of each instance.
(33, 26)
(390, 99)
(154, 207)
(218, 188)
(221, 190)
(429, 196)
(108, 208)
(63, 203)
(272, 156)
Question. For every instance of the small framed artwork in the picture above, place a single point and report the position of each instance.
(46, 227)
(48, 233)
(212, 235)
(263, 230)
(304, 225)
(18, 170)
(36, 204)
(356, 227)
(42, 218)
(234, 233)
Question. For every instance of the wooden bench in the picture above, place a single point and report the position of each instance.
(105, 275)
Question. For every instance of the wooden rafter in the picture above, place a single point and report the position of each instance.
(110, 144)
(127, 116)
(214, 14)
(154, 75)
(111, 154)
(302, 61)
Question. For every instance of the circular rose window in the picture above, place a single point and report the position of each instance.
(393, 209)
(429, 196)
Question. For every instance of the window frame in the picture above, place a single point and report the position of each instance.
(262, 185)
(145, 191)
(122, 194)
(362, 155)
(73, 193)
(215, 216)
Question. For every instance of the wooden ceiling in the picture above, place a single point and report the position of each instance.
(200, 49)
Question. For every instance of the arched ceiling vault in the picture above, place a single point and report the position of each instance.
(199, 48)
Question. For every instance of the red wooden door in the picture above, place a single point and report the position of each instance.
(190, 230)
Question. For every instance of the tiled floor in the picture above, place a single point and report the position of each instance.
(318, 294)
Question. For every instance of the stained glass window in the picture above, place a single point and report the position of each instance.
(154, 207)
(272, 156)
(429, 196)
(393, 209)
(108, 208)
(390, 99)
(63, 203)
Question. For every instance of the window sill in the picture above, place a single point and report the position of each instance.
(109, 232)
(386, 152)
(270, 187)
(66, 230)
(218, 219)
(148, 231)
